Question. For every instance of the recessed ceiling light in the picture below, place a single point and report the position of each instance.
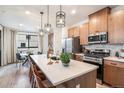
(20, 24)
(73, 11)
(27, 12)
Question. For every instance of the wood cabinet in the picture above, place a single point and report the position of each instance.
(92, 24)
(73, 32)
(84, 34)
(114, 73)
(98, 21)
(70, 33)
(78, 58)
(116, 27)
(76, 31)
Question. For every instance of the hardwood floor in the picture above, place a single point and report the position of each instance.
(12, 76)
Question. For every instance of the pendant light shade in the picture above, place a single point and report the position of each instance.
(60, 18)
(47, 25)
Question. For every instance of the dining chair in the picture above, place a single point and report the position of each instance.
(39, 53)
(39, 83)
(19, 59)
(27, 58)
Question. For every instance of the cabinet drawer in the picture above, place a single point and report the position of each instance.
(114, 63)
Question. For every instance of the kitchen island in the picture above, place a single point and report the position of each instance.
(77, 74)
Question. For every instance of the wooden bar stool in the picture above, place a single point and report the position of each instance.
(39, 80)
(39, 83)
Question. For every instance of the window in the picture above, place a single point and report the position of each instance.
(27, 41)
(33, 41)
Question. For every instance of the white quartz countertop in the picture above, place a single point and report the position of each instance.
(57, 73)
(114, 59)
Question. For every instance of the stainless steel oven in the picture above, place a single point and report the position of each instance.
(96, 57)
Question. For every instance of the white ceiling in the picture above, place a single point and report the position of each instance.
(12, 16)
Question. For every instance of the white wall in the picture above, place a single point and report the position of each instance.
(57, 43)
(45, 43)
(64, 32)
(0, 36)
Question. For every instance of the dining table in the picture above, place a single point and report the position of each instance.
(77, 75)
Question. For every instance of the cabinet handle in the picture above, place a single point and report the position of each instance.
(113, 63)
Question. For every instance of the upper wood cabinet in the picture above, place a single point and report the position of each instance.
(76, 31)
(98, 21)
(92, 24)
(116, 27)
(73, 32)
(84, 34)
(70, 33)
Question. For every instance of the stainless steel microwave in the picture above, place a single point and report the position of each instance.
(101, 37)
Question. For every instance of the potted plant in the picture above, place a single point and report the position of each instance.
(65, 59)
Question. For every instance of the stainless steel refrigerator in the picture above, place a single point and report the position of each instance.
(71, 45)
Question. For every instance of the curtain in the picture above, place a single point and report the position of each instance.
(8, 38)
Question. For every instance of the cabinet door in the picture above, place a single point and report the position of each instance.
(103, 16)
(120, 77)
(84, 34)
(76, 31)
(110, 73)
(116, 27)
(107, 76)
(70, 33)
(98, 22)
(114, 73)
(92, 24)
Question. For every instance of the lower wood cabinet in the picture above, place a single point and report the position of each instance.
(114, 73)
(78, 58)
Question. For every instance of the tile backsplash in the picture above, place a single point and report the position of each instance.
(112, 48)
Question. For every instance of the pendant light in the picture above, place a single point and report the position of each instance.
(60, 18)
(48, 25)
(41, 30)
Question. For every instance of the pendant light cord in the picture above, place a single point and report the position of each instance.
(48, 14)
(60, 8)
(41, 18)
